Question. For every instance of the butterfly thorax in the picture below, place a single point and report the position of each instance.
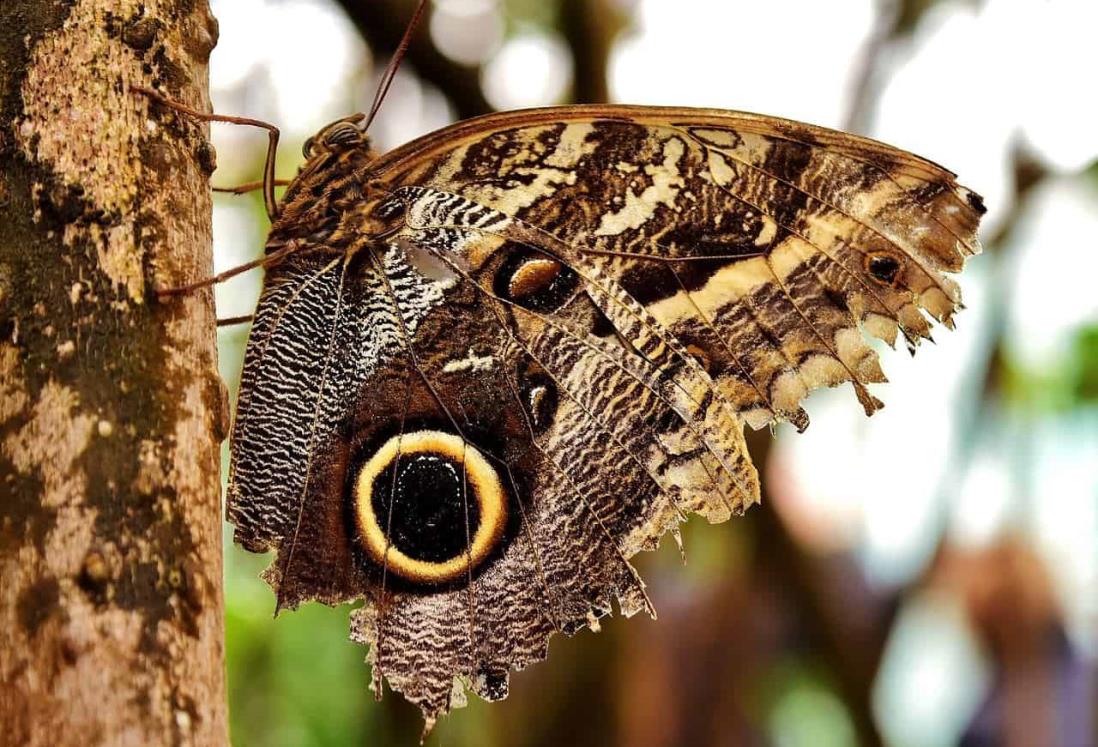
(330, 187)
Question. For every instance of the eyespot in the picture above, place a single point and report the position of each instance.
(534, 281)
(539, 399)
(429, 507)
(884, 268)
(532, 277)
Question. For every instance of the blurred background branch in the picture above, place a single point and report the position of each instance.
(382, 24)
(589, 28)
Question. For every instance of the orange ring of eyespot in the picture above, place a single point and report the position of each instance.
(487, 490)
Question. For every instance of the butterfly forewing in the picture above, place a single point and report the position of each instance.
(809, 231)
(473, 418)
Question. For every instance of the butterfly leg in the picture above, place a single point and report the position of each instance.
(264, 261)
(232, 320)
(241, 189)
(269, 180)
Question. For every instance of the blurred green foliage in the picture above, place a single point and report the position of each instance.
(1084, 366)
(1061, 385)
(293, 680)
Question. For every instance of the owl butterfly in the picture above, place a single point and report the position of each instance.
(490, 366)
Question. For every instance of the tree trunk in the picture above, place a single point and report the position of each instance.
(111, 409)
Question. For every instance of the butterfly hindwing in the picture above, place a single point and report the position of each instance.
(543, 363)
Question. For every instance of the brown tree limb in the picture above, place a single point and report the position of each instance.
(382, 24)
(849, 637)
(111, 627)
(589, 28)
(895, 21)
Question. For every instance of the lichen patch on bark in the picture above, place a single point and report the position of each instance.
(92, 136)
(51, 443)
(88, 136)
(13, 397)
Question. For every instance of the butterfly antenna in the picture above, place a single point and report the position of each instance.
(394, 63)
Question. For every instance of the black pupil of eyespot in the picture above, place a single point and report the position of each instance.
(424, 511)
(884, 268)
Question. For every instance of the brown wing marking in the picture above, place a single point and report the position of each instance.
(685, 493)
(831, 204)
(566, 344)
(688, 385)
(314, 431)
(828, 215)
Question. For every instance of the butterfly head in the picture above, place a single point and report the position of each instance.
(343, 134)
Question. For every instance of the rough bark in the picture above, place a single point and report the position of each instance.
(111, 626)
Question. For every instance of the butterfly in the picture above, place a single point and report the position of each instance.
(489, 367)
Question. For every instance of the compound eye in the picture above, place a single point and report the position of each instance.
(342, 134)
(429, 507)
